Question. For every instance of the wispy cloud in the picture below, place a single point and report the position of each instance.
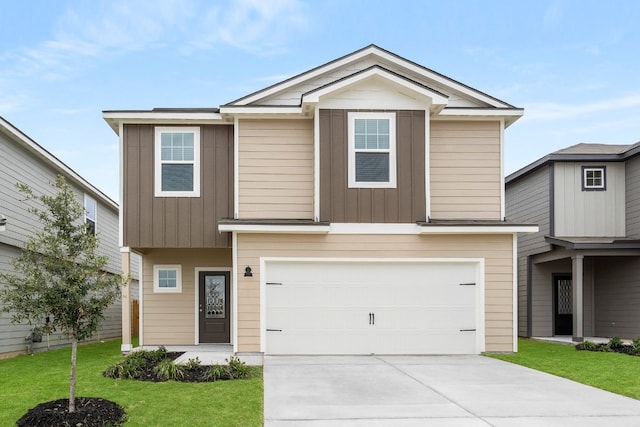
(255, 26)
(555, 111)
(90, 33)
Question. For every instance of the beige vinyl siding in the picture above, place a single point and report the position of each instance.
(495, 249)
(169, 318)
(275, 169)
(589, 213)
(465, 170)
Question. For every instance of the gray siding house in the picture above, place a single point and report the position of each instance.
(23, 160)
(579, 275)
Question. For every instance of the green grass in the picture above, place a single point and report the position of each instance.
(618, 373)
(26, 381)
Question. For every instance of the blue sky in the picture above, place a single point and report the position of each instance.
(573, 65)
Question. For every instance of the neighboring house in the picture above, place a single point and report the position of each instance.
(580, 274)
(24, 161)
(355, 208)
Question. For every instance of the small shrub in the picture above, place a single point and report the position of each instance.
(615, 343)
(216, 372)
(192, 364)
(168, 370)
(158, 355)
(587, 346)
(635, 346)
(131, 367)
(237, 368)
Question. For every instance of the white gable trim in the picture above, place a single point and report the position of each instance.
(434, 97)
(387, 56)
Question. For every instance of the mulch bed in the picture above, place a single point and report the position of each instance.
(607, 348)
(90, 412)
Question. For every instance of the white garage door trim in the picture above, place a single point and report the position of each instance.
(479, 288)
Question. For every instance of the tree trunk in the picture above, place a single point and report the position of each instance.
(72, 380)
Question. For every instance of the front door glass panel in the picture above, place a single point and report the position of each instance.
(215, 296)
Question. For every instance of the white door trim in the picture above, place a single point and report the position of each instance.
(196, 281)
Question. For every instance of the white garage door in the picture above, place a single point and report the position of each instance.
(371, 307)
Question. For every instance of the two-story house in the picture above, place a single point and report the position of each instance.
(355, 208)
(25, 161)
(579, 275)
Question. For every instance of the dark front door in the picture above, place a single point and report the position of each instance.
(214, 306)
(563, 304)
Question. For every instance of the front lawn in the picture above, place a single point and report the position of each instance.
(615, 372)
(26, 381)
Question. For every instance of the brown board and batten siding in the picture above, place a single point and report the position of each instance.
(275, 169)
(172, 222)
(495, 249)
(465, 170)
(403, 204)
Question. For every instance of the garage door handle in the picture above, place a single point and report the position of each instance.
(467, 330)
(372, 318)
(274, 330)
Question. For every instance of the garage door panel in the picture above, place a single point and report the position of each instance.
(326, 308)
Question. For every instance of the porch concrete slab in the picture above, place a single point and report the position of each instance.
(217, 357)
(430, 390)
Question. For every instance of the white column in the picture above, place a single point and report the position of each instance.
(577, 262)
(126, 303)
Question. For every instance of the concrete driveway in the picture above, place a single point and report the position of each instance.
(431, 391)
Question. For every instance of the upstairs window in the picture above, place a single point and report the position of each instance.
(90, 214)
(594, 178)
(177, 162)
(372, 150)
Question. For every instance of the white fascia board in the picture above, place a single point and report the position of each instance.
(436, 98)
(508, 115)
(261, 110)
(274, 228)
(115, 118)
(478, 229)
(463, 112)
(52, 160)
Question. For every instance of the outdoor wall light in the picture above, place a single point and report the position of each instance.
(247, 272)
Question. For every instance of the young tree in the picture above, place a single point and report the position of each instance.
(59, 275)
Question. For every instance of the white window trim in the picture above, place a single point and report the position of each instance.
(352, 116)
(156, 284)
(158, 161)
(602, 170)
(86, 217)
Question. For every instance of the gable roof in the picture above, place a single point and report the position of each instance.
(381, 56)
(580, 153)
(40, 152)
(298, 96)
